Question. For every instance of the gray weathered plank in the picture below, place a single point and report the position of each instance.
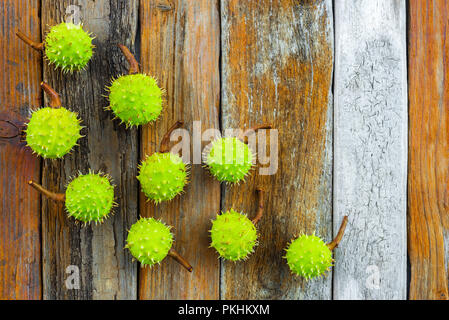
(370, 148)
(277, 61)
(106, 270)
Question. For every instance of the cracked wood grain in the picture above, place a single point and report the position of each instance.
(277, 61)
(181, 47)
(428, 192)
(106, 269)
(20, 76)
(370, 149)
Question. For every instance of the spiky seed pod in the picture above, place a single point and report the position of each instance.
(162, 176)
(229, 159)
(233, 235)
(308, 256)
(90, 198)
(68, 47)
(149, 241)
(135, 99)
(53, 132)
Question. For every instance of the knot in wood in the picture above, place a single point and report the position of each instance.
(8, 130)
(164, 6)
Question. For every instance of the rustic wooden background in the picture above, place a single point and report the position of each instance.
(358, 90)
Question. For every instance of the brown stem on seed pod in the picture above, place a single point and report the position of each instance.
(55, 100)
(332, 245)
(51, 195)
(172, 253)
(133, 64)
(245, 134)
(33, 44)
(165, 143)
(259, 213)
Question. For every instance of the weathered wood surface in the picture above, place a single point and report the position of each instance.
(181, 47)
(277, 60)
(20, 76)
(105, 268)
(428, 197)
(276, 66)
(370, 149)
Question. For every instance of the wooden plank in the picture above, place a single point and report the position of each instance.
(20, 76)
(370, 149)
(181, 47)
(428, 197)
(277, 68)
(105, 268)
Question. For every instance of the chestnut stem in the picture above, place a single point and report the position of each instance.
(51, 195)
(55, 100)
(165, 143)
(172, 253)
(255, 128)
(332, 245)
(133, 64)
(259, 213)
(33, 44)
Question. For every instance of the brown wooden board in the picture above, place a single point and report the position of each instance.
(277, 60)
(181, 47)
(428, 175)
(20, 76)
(106, 270)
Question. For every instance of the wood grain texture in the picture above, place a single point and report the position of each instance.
(428, 192)
(277, 60)
(181, 47)
(370, 149)
(20, 76)
(106, 269)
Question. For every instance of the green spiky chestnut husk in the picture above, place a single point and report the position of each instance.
(162, 176)
(68, 47)
(149, 241)
(233, 235)
(309, 257)
(135, 99)
(90, 198)
(53, 132)
(229, 159)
